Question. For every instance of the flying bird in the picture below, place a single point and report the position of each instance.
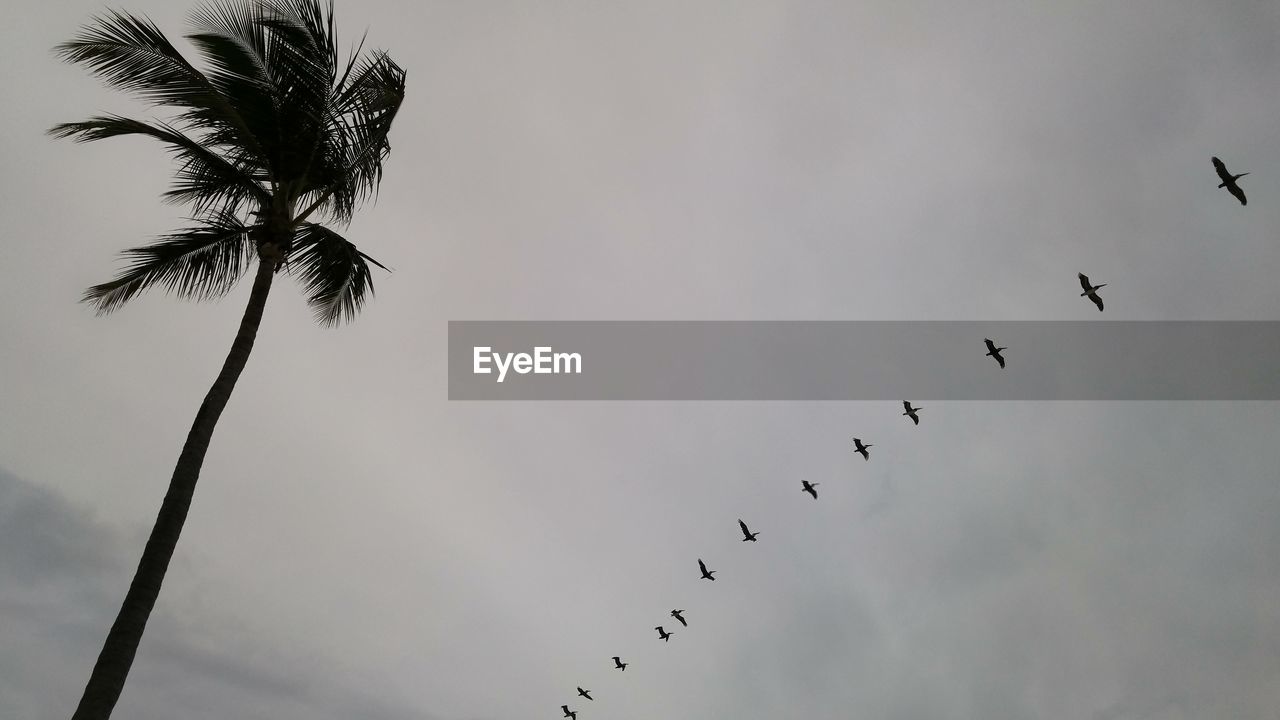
(676, 614)
(666, 636)
(572, 715)
(1091, 290)
(808, 487)
(747, 535)
(859, 447)
(1229, 181)
(705, 572)
(617, 662)
(585, 693)
(911, 412)
(994, 351)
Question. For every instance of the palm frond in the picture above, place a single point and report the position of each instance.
(357, 142)
(318, 24)
(132, 54)
(235, 67)
(232, 42)
(240, 22)
(230, 185)
(367, 105)
(304, 30)
(200, 263)
(334, 274)
(205, 178)
(278, 60)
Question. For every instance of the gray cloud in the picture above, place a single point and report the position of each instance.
(59, 578)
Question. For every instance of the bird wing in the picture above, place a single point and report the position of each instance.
(1084, 281)
(906, 404)
(990, 345)
(743, 525)
(1000, 359)
(1096, 300)
(1234, 189)
(702, 566)
(1222, 170)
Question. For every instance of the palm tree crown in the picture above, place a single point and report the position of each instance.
(273, 132)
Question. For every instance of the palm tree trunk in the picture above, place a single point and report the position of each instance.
(109, 672)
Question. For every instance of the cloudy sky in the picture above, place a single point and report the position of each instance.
(359, 546)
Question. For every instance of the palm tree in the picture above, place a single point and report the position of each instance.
(274, 133)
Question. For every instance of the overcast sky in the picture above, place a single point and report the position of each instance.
(359, 547)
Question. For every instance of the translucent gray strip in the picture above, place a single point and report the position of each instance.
(863, 360)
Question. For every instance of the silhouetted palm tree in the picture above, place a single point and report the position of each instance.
(274, 133)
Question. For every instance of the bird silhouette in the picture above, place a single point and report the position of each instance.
(747, 535)
(617, 662)
(666, 636)
(808, 487)
(860, 448)
(911, 412)
(1091, 290)
(569, 713)
(585, 693)
(1229, 181)
(994, 351)
(676, 614)
(705, 572)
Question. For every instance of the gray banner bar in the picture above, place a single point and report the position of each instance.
(863, 360)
